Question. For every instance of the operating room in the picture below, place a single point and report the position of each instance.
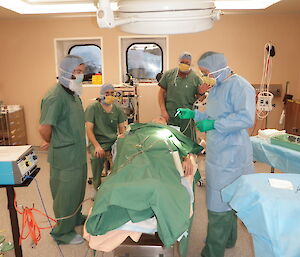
(130, 57)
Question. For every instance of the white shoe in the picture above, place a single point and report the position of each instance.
(78, 239)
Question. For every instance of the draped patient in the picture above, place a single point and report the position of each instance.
(147, 184)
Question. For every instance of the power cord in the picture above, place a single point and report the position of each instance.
(29, 220)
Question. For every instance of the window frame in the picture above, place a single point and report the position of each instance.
(62, 46)
(125, 41)
(144, 43)
(88, 44)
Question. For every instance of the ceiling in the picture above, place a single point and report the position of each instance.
(282, 7)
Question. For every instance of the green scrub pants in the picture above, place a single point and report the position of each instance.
(97, 165)
(221, 233)
(68, 190)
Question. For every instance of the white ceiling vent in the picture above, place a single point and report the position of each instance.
(158, 16)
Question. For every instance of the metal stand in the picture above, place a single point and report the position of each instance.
(13, 220)
(13, 213)
(148, 245)
(272, 169)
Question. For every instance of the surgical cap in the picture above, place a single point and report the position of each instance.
(66, 68)
(105, 88)
(214, 61)
(185, 55)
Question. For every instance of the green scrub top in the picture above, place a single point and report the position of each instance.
(64, 112)
(105, 123)
(181, 92)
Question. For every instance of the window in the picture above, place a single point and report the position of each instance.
(144, 60)
(91, 54)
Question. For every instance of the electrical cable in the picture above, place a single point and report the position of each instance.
(34, 229)
(44, 207)
(45, 210)
(28, 220)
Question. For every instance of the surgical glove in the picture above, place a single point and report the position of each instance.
(184, 113)
(205, 125)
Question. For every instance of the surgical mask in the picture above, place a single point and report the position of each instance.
(183, 67)
(209, 80)
(206, 79)
(107, 100)
(76, 84)
(220, 70)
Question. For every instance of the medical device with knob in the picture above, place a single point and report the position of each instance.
(265, 97)
(16, 163)
(264, 102)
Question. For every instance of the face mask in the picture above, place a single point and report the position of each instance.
(206, 79)
(220, 70)
(107, 100)
(76, 84)
(183, 67)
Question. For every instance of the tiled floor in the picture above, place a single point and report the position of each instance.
(48, 248)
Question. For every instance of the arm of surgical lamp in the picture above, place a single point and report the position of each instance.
(105, 16)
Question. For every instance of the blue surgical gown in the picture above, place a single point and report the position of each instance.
(229, 154)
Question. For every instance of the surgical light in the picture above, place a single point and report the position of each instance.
(158, 16)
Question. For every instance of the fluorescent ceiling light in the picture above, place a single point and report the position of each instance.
(53, 1)
(22, 7)
(78, 6)
(244, 4)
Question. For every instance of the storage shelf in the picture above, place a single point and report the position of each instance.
(12, 127)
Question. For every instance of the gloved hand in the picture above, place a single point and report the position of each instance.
(185, 113)
(205, 125)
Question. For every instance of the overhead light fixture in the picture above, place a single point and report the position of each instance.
(158, 16)
(244, 4)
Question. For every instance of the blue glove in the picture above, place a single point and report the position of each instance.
(205, 125)
(185, 113)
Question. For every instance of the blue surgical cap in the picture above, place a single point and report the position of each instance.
(214, 61)
(105, 88)
(66, 68)
(185, 55)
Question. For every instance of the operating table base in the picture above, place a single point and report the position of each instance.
(148, 246)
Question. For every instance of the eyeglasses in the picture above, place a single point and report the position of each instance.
(110, 93)
(294, 139)
(78, 71)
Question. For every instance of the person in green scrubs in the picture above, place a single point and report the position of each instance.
(62, 128)
(104, 120)
(179, 88)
